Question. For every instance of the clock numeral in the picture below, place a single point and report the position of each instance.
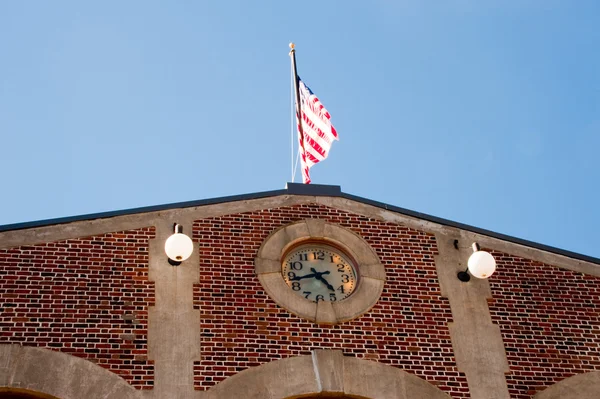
(332, 297)
(291, 275)
(320, 298)
(331, 257)
(306, 294)
(341, 268)
(345, 278)
(319, 255)
(295, 265)
(303, 256)
(341, 289)
(296, 286)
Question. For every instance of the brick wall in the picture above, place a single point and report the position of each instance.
(87, 297)
(242, 327)
(550, 322)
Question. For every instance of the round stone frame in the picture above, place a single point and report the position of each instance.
(371, 273)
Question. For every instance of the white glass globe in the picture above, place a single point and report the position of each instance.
(179, 247)
(481, 264)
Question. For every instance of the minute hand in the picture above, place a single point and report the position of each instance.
(319, 276)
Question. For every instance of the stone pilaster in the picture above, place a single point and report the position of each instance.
(173, 324)
(476, 341)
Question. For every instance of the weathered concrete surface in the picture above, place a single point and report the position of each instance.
(325, 371)
(327, 364)
(376, 380)
(476, 341)
(279, 379)
(173, 324)
(59, 375)
(581, 386)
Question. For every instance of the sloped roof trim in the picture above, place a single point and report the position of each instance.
(317, 190)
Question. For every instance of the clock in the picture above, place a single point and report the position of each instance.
(319, 272)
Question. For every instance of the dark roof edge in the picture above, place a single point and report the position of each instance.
(144, 209)
(473, 229)
(319, 190)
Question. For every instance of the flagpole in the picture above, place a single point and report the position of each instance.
(298, 114)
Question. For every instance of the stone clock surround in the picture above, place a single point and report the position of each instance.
(370, 271)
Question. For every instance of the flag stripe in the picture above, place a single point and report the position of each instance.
(318, 131)
(316, 139)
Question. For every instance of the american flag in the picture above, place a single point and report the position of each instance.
(317, 130)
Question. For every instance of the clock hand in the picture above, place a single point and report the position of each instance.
(314, 273)
(319, 276)
(326, 283)
(305, 276)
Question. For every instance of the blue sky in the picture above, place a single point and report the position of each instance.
(482, 112)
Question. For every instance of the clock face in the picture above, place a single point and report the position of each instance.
(319, 272)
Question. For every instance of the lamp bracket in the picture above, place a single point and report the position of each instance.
(173, 262)
(464, 276)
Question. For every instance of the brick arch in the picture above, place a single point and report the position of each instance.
(580, 386)
(325, 372)
(53, 374)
